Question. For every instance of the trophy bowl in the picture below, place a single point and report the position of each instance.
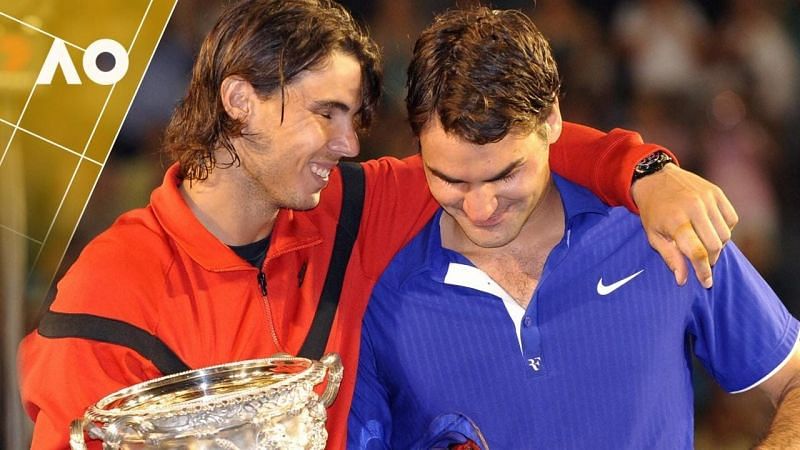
(260, 404)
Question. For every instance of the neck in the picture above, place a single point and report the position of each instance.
(545, 226)
(228, 208)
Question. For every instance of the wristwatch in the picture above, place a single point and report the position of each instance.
(651, 164)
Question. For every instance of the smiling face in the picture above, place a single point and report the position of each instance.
(290, 145)
(489, 191)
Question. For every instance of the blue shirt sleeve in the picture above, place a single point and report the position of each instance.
(742, 331)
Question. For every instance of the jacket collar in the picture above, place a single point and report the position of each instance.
(292, 230)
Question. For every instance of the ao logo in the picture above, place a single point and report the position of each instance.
(59, 57)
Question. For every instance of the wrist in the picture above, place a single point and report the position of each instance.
(644, 187)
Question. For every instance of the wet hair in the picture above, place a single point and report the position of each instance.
(484, 73)
(268, 43)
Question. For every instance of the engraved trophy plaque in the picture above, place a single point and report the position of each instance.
(260, 404)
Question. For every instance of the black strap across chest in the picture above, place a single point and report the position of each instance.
(102, 329)
(346, 234)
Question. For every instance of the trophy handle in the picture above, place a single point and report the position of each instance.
(111, 440)
(333, 364)
(76, 441)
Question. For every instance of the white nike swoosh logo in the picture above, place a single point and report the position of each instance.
(602, 289)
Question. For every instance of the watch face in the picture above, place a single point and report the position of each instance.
(651, 164)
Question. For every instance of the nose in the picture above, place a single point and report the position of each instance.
(480, 203)
(345, 142)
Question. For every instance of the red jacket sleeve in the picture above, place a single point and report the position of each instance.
(87, 371)
(60, 378)
(601, 162)
(397, 205)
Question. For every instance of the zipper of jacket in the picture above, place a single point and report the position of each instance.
(262, 285)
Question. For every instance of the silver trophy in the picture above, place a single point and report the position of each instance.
(257, 404)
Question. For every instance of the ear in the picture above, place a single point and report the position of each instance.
(554, 123)
(236, 94)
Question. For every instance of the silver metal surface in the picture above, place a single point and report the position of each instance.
(257, 404)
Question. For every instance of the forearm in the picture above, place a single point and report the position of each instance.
(784, 432)
(86, 371)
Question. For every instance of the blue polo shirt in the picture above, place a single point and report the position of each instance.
(600, 359)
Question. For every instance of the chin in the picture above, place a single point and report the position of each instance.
(488, 241)
(485, 237)
(305, 206)
(310, 202)
(299, 202)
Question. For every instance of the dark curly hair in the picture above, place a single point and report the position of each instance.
(268, 43)
(484, 73)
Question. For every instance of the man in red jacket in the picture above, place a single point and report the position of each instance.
(229, 259)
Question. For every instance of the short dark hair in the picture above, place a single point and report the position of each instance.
(484, 73)
(267, 43)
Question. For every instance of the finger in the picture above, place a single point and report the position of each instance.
(727, 210)
(707, 228)
(672, 257)
(721, 225)
(723, 232)
(692, 247)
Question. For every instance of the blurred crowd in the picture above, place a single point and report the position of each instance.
(715, 81)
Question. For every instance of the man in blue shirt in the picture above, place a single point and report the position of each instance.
(527, 314)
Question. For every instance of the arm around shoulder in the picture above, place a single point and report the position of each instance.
(683, 214)
(602, 162)
(398, 204)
